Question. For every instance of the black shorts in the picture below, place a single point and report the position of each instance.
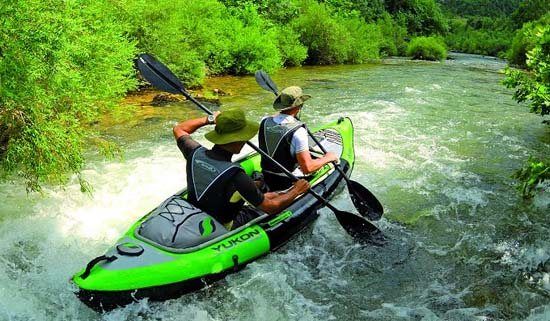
(246, 214)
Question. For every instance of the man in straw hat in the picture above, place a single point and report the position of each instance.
(215, 184)
(285, 138)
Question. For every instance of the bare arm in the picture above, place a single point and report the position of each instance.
(274, 202)
(271, 195)
(309, 165)
(188, 127)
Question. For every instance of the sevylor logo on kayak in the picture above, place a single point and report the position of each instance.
(234, 241)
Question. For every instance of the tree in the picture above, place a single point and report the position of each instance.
(529, 10)
(534, 87)
(62, 64)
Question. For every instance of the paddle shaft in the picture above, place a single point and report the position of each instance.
(289, 174)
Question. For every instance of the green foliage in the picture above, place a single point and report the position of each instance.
(480, 35)
(333, 39)
(524, 41)
(427, 48)
(252, 44)
(534, 86)
(530, 10)
(278, 11)
(293, 53)
(204, 37)
(393, 36)
(363, 40)
(531, 175)
(321, 34)
(61, 64)
(422, 17)
(487, 8)
(369, 10)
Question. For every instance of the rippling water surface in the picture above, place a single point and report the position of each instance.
(436, 142)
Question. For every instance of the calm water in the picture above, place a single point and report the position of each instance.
(436, 142)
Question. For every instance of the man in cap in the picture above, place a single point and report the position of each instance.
(215, 184)
(285, 138)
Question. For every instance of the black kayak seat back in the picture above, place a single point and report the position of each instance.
(177, 224)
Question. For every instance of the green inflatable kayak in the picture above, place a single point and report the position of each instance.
(177, 248)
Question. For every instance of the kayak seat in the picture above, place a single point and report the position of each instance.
(177, 224)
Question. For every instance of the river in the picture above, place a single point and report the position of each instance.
(436, 142)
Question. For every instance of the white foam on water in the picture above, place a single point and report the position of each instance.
(436, 302)
(59, 235)
(542, 198)
(390, 311)
(166, 311)
(270, 294)
(389, 108)
(472, 196)
(125, 192)
(541, 313)
(410, 90)
(524, 258)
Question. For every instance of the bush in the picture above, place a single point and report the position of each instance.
(333, 39)
(427, 48)
(59, 69)
(524, 41)
(293, 53)
(203, 38)
(480, 35)
(534, 87)
(534, 172)
(324, 37)
(364, 40)
(489, 8)
(393, 36)
(481, 42)
(422, 17)
(369, 10)
(253, 44)
(529, 10)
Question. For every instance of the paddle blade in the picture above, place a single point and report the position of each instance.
(263, 79)
(158, 74)
(366, 203)
(360, 229)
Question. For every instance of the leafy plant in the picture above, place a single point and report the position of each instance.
(480, 35)
(59, 70)
(524, 41)
(534, 86)
(422, 17)
(427, 48)
(533, 173)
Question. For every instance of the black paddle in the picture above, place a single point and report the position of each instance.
(162, 78)
(365, 202)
